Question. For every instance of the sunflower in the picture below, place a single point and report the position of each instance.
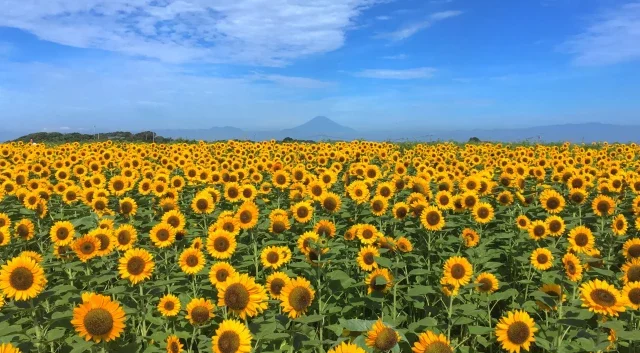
(603, 205)
(379, 205)
(379, 280)
(345, 347)
(1, 300)
(400, 210)
(98, 318)
(86, 247)
(32, 255)
(552, 290)
(470, 237)
(601, 298)
(487, 283)
(431, 218)
(631, 271)
(307, 240)
(537, 230)
(5, 221)
(5, 236)
(358, 191)
(271, 257)
(191, 261)
(220, 244)
(572, 267)
(199, 311)
(8, 348)
(404, 245)
(202, 203)
(174, 218)
(174, 345)
(366, 258)
(220, 272)
(444, 200)
(331, 202)
(242, 296)
(25, 229)
(581, 239)
(62, 233)
(631, 248)
(169, 305)
(619, 225)
(457, 271)
(631, 294)
(381, 337)
(577, 196)
(516, 331)
(541, 259)
(302, 211)
(126, 235)
(275, 282)
(297, 296)
(429, 342)
(136, 265)
(232, 336)
(247, 215)
(229, 223)
(325, 228)
(100, 205)
(523, 222)
(162, 235)
(483, 212)
(22, 278)
(552, 201)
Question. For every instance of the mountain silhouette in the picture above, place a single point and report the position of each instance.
(320, 128)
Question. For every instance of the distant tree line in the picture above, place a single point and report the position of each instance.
(125, 136)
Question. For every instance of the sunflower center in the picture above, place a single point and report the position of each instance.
(386, 339)
(633, 273)
(163, 235)
(62, 233)
(483, 213)
(375, 285)
(21, 278)
(192, 261)
(603, 297)
(100, 205)
(221, 275)
(438, 347)
(518, 333)
(221, 244)
(236, 297)
(228, 342)
(433, 218)
(98, 322)
(300, 298)
(458, 271)
(273, 257)
(169, 305)
(377, 206)
(603, 206)
(276, 286)
(542, 259)
(538, 230)
(634, 250)
(245, 216)
(522, 222)
(126, 207)
(202, 204)
(174, 347)
(330, 204)
(553, 203)
(581, 239)
(135, 265)
(571, 268)
(485, 285)
(619, 224)
(278, 227)
(174, 221)
(302, 212)
(281, 179)
(577, 197)
(124, 237)
(200, 314)
(469, 201)
(555, 226)
(23, 231)
(368, 258)
(634, 296)
(401, 212)
(87, 248)
(104, 241)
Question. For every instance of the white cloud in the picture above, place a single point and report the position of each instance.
(396, 57)
(410, 30)
(408, 74)
(292, 81)
(258, 32)
(614, 37)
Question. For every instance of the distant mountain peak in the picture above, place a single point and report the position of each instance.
(320, 127)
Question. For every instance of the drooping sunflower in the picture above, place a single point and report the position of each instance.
(174, 218)
(32, 255)
(302, 211)
(169, 305)
(220, 244)
(271, 257)
(232, 336)
(331, 202)
(192, 261)
(242, 296)
(404, 245)
(136, 265)
(572, 266)
(247, 215)
(487, 283)
(220, 272)
(345, 347)
(523, 222)
(86, 247)
(431, 218)
(552, 201)
(379, 280)
(631, 248)
(483, 212)
(603, 205)
(631, 294)
(631, 271)
(553, 290)
(581, 239)
(202, 203)
(98, 318)
(366, 258)
(381, 337)
(22, 278)
(174, 345)
(25, 229)
(126, 235)
(62, 233)
(297, 296)
(516, 331)
(457, 271)
(537, 230)
(199, 311)
(601, 298)
(619, 225)
(162, 235)
(275, 282)
(541, 259)
(429, 342)
(471, 237)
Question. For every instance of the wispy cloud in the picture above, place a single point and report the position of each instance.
(257, 32)
(612, 38)
(383, 18)
(291, 81)
(396, 57)
(408, 74)
(411, 29)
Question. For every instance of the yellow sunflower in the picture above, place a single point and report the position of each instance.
(553, 290)
(619, 225)
(100, 205)
(572, 267)
(487, 283)
(430, 341)
(199, 311)
(431, 218)
(555, 225)
(242, 296)
(381, 337)
(308, 240)
(128, 207)
(483, 212)
(136, 265)
(62, 233)
(470, 237)
(9, 348)
(228, 223)
(275, 282)
(367, 233)
(232, 336)
(331, 202)
(191, 261)
(98, 318)
(631, 248)
(106, 239)
(174, 218)
(162, 235)
(537, 230)
(325, 228)
(400, 210)
(516, 331)
(126, 235)
(523, 222)
(202, 203)
(404, 245)
(457, 271)
(379, 280)
(220, 272)
(22, 278)
(345, 347)
(220, 244)
(169, 305)
(86, 247)
(302, 211)
(581, 239)
(271, 257)
(631, 294)
(32, 255)
(631, 270)
(297, 296)
(603, 205)
(541, 259)
(174, 345)
(379, 205)
(5, 221)
(279, 224)
(25, 229)
(366, 258)
(601, 298)
(552, 201)
(247, 215)
(5, 236)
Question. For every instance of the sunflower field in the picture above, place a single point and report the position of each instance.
(346, 247)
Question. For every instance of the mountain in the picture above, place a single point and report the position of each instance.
(212, 134)
(320, 128)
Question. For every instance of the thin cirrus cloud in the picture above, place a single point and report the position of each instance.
(407, 74)
(613, 37)
(410, 30)
(254, 32)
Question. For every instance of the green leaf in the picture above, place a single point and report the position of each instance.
(479, 330)
(357, 324)
(309, 319)
(420, 290)
(55, 333)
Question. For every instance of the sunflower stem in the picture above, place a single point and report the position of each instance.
(449, 314)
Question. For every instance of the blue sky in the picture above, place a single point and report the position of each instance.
(369, 64)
